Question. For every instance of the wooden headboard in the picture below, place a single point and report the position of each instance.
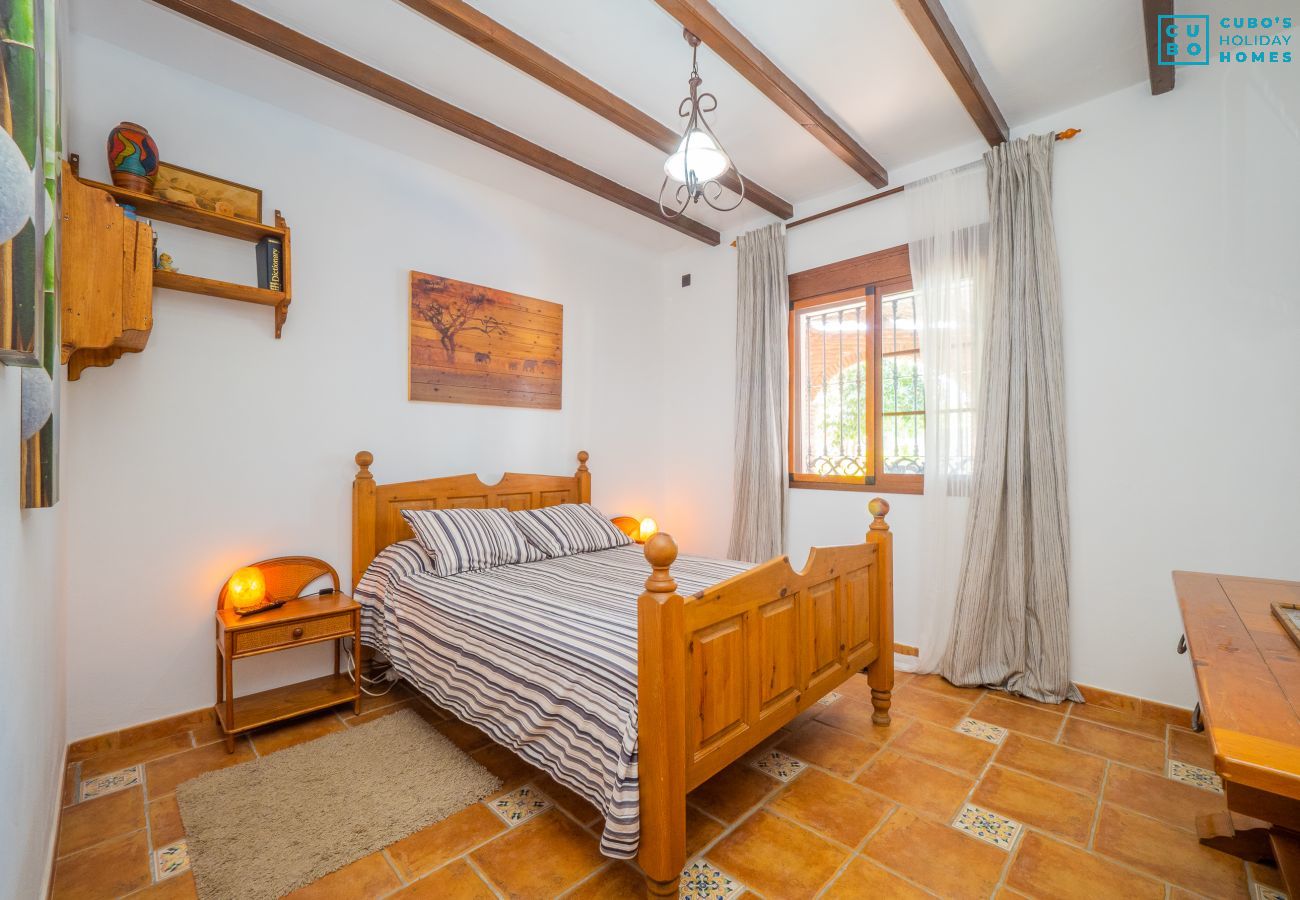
(377, 508)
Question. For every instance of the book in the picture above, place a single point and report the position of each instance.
(270, 263)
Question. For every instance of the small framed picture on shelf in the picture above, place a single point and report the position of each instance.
(207, 192)
(1289, 615)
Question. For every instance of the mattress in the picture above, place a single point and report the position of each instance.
(541, 656)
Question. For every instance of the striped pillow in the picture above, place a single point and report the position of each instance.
(465, 540)
(569, 528)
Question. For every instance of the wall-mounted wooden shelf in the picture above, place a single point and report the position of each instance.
(101, 324)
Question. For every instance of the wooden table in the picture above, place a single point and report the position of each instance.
(1248, 676)
(307, 620)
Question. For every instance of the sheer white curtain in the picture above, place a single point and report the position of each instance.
(948, 223)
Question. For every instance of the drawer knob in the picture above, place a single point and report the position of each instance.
(297, 632)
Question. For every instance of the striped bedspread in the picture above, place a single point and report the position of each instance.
(541, 656)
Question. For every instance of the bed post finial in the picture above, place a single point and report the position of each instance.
(583, 477)
(880, 674)
(661, 553)
(363, 516)
(364, 459)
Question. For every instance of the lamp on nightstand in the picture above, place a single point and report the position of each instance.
(246, 589)
(648, 529)
(639, 530)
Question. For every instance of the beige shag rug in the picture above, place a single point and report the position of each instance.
(266, 827)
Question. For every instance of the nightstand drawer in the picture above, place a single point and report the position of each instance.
(288, 635)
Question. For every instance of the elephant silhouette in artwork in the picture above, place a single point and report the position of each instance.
(482, 357)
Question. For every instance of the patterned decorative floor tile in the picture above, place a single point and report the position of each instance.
(108, 784)
(994, 734)
(1264, 892)
(701, 880)
(987, 826)
(829, 698)
(780, 766)
(520, 805)
(1194, 775)
(171, 860)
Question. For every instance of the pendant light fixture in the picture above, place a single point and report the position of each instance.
(699, 160)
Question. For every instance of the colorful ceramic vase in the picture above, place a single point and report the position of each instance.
(132, 157)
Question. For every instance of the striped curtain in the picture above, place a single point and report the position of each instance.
(762, 319)
(1011, 626)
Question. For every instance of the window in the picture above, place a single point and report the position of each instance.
(857, 398)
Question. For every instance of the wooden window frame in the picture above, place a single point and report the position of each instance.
(875, 274)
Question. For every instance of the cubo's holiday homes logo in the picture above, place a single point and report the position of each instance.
(1186, 40)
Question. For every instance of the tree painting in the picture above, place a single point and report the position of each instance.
(475, 344)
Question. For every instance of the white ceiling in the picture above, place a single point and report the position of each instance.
(859, 59)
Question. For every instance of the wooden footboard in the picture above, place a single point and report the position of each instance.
(722, 670)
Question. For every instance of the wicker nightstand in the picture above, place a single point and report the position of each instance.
(306, 620)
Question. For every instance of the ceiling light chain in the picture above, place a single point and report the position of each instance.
(700, 159)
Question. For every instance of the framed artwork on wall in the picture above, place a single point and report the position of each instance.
(208, 192)
(474, 344)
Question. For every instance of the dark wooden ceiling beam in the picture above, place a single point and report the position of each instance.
(941, 39)
(253, 28)
(701, 19)
(1162, 77)
(506, 45)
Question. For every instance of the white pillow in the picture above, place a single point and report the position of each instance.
(569, 528)
(466, 540)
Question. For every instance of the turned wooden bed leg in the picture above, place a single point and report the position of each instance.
(880, 674)
(661, 722)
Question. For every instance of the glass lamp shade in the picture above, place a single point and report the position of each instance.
(246, 588)
(706, 160)
(649, 527)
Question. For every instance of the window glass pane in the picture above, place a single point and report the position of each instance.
(834, 349)
(902, 387)
(903, 440)
(898, 323)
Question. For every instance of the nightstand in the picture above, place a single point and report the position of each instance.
(305, 620)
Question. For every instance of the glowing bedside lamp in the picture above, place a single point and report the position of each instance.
(246, 589)
(649, 528)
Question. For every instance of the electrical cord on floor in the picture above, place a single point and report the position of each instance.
(349, 655)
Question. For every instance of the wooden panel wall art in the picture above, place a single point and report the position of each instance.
(473, 344)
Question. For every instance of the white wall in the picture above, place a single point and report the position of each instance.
(31, 669)
(1177, 234)
(219, 445)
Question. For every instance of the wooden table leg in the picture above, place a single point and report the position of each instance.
(356, 662)
(230, 698)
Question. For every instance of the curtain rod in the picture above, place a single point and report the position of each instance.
(1060, 136)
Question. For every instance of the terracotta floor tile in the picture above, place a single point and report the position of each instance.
(929, 789)
(834, 808)
(165, 823)
(1036, 802)
(1052, 762)
(1121, 746)
(617, 882)
(429, 715)
(913, 703)
(557, 852)
(398, 693)
(1168, 853)
(863, 878)
(858, 687)
(1021, 717)
(110, 869)
(454, 881)
(568, 800)
(733, 791)
(1125, 721)
(777, 858)
(1055, 871)
(178, 887)
(113, 760)
(854, 716)
(466, 737)
(830, 748)
(701, 830)
(88, 747)
(506, 765)
(1161, 798)
(943, 859)
(370, 876)
(162, 776)
(432, 846)
(100, 818)
(937, 684)
(944, 747)
(296, 731)
(70, 783)
(1190, 747)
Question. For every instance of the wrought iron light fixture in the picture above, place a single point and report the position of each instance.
(699, 160)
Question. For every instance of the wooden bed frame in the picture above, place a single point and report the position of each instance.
(719, 671)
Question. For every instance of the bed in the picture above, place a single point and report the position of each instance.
(630, 690)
